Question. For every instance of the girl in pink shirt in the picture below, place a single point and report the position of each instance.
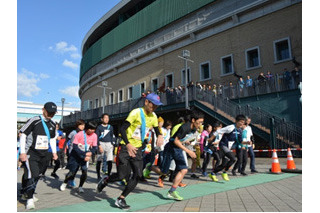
(84, 143)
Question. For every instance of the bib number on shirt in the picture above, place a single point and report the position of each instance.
(137, 133)
(42, 143)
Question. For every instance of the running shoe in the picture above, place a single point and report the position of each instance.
(55, 175)
(234, 173)
(146, 172)
(174, 195)
(213, 177)
(225, 176)
(80, 190)
(121, 203)
(194, 176)
(71, 184)
(160, 182)
(253, 171)
(24, 197)
(182, 185)
(102, 183)
(63, 186)
(205, 174)
(30, 204)
(243, 173)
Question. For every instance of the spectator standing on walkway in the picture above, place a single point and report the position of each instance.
(133, 132)
(106, 140)
(287, 78)
(43, 133)
(295, 76)
(251, 146)
(231, 134)
(241, 85)
(269, 76)
(249, 82)
(84, 144)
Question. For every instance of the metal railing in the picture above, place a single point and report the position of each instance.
(283, 134)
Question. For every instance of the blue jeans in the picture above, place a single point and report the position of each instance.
(252, 159)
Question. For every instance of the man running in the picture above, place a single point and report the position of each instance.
(173, 151)
(134, 132)
(43, 132)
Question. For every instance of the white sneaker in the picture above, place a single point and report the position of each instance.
(63, 186)
(30, 204)
(80, 190)
(35, 199)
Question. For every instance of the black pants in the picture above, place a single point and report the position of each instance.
(207, 157)
(242, 159)
(228, 159)
(61, 157)
(124, 168)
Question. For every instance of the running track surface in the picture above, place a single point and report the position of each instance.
(159, 197)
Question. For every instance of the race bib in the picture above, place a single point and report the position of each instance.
(42, 142)
(230, 143)
(137, 133)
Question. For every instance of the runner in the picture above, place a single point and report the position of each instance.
(133, 132)
(231, 134)
(106, 140)
(80, 125)
(242, 153)
(173, 151)
(43, 133)
(84, 143)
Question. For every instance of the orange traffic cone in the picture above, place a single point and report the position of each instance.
(275, 168)
(290, 162)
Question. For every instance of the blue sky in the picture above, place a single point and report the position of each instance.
(49, 37)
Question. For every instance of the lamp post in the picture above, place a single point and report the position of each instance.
(185, 56)
(104, 85)
(62, 101)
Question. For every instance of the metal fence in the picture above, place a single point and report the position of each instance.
(282, 134)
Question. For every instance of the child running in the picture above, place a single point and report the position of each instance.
(231, 134)
(84, 143)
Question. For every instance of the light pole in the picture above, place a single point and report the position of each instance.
(104, 85)
(62, 101)
(185, 56)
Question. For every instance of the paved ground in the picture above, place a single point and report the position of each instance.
(255, 192)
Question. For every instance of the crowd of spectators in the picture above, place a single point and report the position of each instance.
(241, 87)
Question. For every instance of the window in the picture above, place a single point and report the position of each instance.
(120, 95)
(111, 98)
(154, 84)
(227, 65)
(96, 104)
(142, 87)
(183, 76)
(130, 93)
(282, 50)
(205, 73)
(169, 80)
(253, 58)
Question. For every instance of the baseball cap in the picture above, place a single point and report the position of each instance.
(154, 98)
(50, 107)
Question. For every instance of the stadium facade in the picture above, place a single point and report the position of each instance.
(135, 46)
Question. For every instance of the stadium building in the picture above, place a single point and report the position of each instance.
(135, 46)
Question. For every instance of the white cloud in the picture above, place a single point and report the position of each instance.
(75, 55)
(63, 47)
(71, 91)
(44, 76)
(70, 64)
(27, 82)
